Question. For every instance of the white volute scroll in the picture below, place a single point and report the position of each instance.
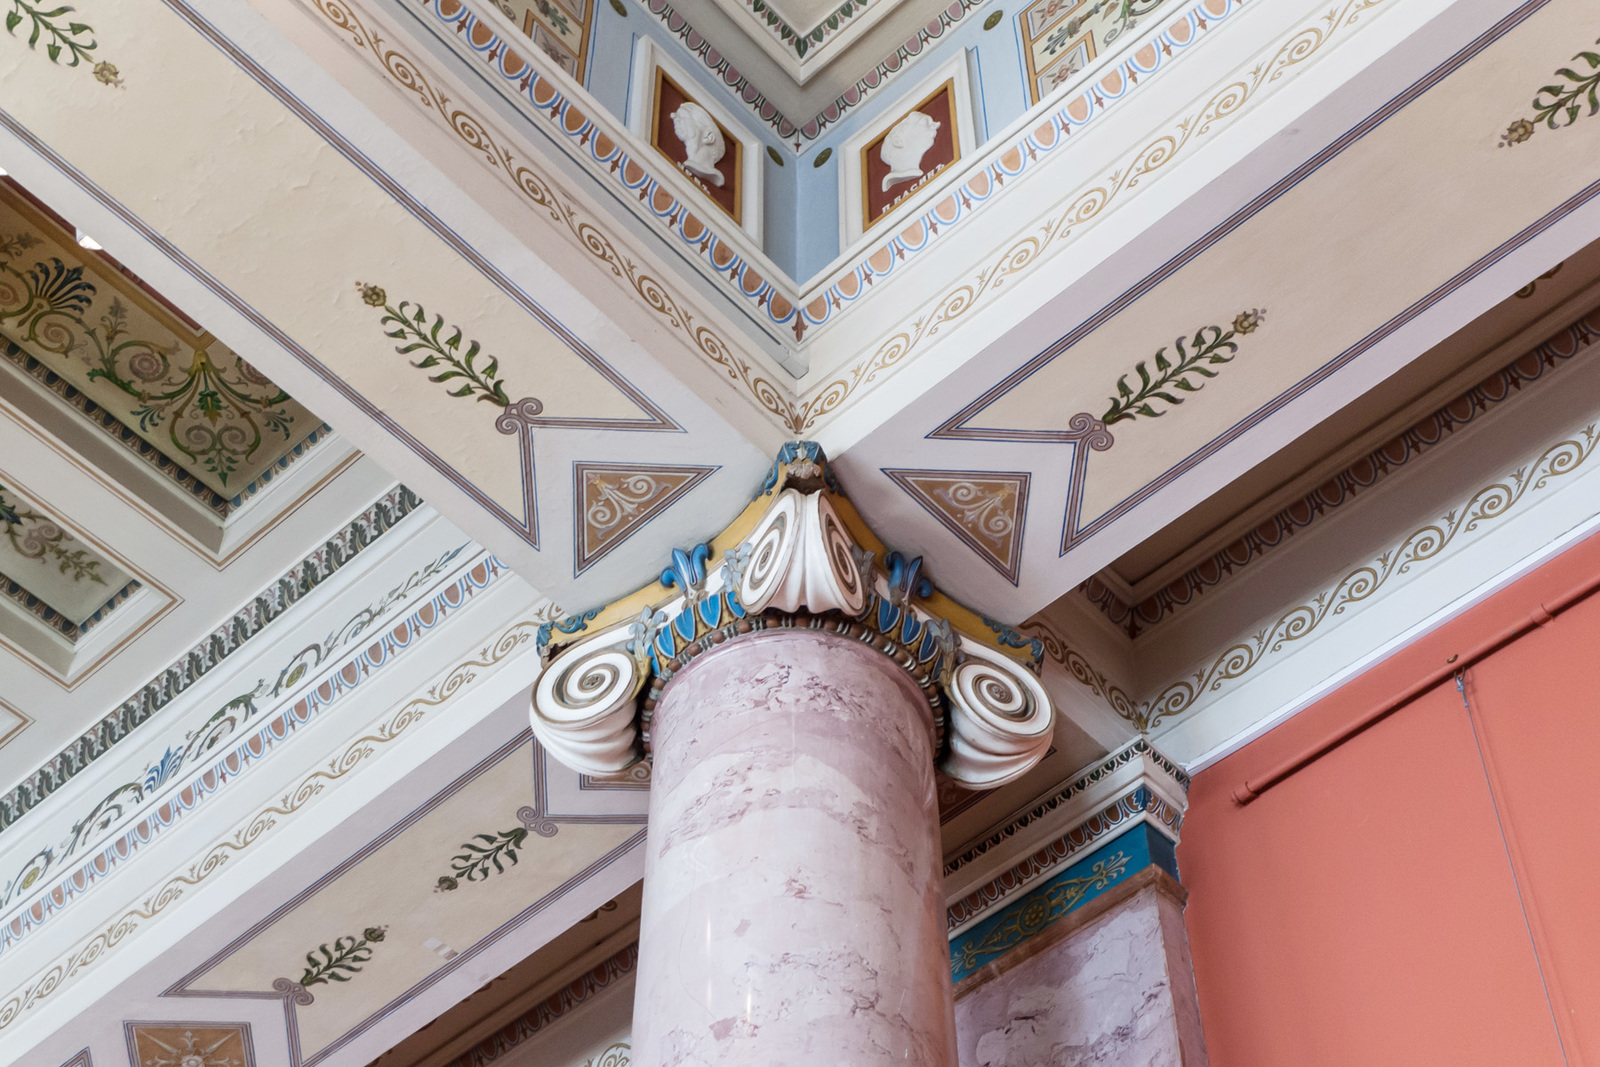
(585, 701)
(801, 558)
(1001, 721)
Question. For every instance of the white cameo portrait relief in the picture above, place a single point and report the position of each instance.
(703, 146)
(902, 150)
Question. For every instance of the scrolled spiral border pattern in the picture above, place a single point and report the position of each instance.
(87, 952)
(1419, 547)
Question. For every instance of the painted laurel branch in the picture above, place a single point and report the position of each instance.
(1560, 103)
(343, 959)
(66, 40)
(484, 855)
(1184, 372)
(1422, 545)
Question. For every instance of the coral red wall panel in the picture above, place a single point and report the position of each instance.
(1538, 709)
(1369, 908)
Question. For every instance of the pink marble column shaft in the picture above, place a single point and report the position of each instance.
(793, 901)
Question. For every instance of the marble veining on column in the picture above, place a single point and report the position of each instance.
(794, 909)
(1119, 991)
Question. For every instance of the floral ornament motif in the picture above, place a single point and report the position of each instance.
(33, 536)
(343, 959)
(408, 324)
(1560, 103)
(216, 413)
(107, 74)
(483, 852)
(75, 40)
(1210, 346)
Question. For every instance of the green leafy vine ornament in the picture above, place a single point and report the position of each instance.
(33, 536)
(1561, 103)
(474, 863)
(66, 41)
(1184, 372)
(336, 963)
(408, 324)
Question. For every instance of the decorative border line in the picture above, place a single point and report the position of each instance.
(1138, 806)
(528, 1025)
(205, 783)
(657, 419)
(957, 428)
(88, 951)
(1489, 503)
(596, 148)
(159, 461)
(1425, 543)
(292, 994)
(1112, 863)
(377, 519)
(1139, 748)
(1364, 473)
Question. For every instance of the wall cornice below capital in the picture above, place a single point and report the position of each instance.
(1132, 786)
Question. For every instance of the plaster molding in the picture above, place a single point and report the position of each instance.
(224, 641)
(1135, 784)
(210, 758)
(350, 758)
(1486, 395)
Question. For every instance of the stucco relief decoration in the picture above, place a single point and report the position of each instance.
(190, 1045)
(1560, 103)
(685, 132)
(703, 146)
(798, 556)
(66, 40)
(920, 145)
(903, 149)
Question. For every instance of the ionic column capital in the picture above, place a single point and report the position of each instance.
(799, 556)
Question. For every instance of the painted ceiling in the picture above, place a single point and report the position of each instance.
(1171, 283)
(120, 344)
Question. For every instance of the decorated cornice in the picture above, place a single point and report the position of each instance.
(227, 639)
(195, 770)
(1360, 476)
(798, 556)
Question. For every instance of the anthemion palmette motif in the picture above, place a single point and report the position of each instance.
(793, 696)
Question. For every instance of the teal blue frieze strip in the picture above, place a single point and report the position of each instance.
(1024, 918)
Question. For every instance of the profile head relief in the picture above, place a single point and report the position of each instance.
(902, 150)
(703, 146)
